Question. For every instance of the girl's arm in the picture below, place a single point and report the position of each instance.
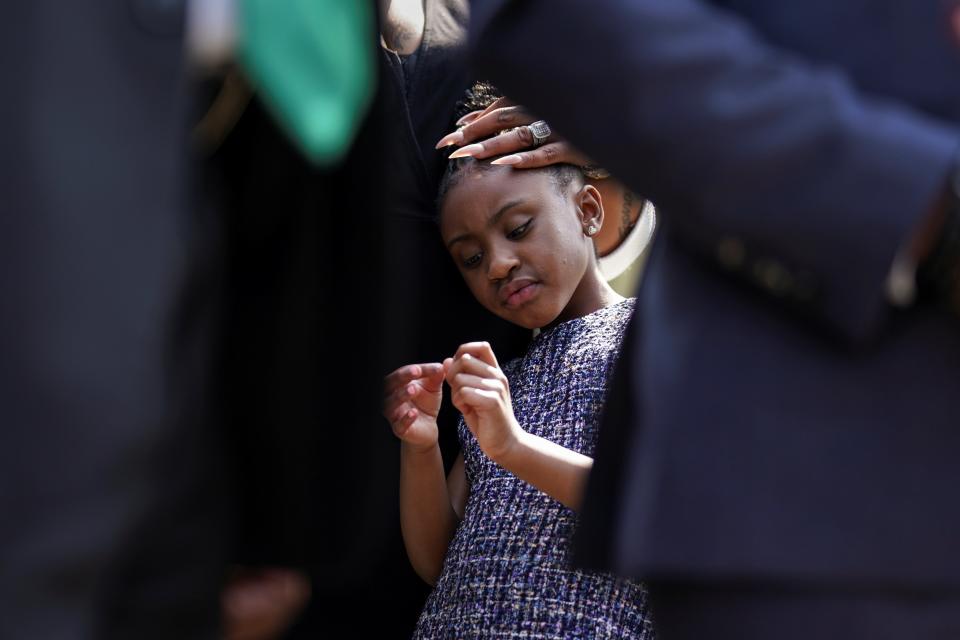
(428, 514)
(458, 486)
(559, 472)
(481, 392)
(427, 518)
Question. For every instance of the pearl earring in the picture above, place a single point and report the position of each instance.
(592, 229)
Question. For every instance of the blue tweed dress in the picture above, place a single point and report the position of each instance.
(507, 572)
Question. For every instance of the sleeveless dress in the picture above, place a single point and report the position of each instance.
(507, 572)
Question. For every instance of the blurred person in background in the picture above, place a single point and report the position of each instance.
(779, 454)
(111, 483)
(144, 319)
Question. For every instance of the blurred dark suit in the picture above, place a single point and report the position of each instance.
(775, 425)
(109, 484)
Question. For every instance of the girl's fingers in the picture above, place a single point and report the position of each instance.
(402, 417)
(417, 394)
(473, 398)
(462, 380)
(404, 375)
(400, 411)
(481, 350)
(432, 380)
(474, 366)
(463, 401)
(403, 394)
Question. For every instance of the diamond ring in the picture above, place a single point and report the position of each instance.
(540, 131)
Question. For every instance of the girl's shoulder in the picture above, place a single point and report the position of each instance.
(610, 321)
(593, 337)
(615, 316)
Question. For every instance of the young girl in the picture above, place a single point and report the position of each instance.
(494, 536)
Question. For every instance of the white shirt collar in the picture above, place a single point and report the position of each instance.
(618, 260)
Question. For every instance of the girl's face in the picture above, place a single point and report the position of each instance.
(521, 244)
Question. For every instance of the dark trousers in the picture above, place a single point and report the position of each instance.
(758, 611)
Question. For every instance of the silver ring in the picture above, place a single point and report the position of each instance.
(540, 131)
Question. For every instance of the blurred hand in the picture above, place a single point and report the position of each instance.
(262, 603)
(480, 137)
(412, 397)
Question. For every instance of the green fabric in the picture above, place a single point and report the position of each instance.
(313, 64)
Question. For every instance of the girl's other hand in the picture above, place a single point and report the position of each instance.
(412, 397)
(479, 389)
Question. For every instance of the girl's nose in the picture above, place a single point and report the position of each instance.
(501, 264)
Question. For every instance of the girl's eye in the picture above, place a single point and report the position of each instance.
(519, 231)
(472, 261)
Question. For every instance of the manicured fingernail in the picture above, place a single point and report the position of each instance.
(411, 390)
(467, 151)
(412, 413)
(464, 119)
(508, 160)
(451, 138)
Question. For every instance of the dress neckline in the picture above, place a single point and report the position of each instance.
(572, 321)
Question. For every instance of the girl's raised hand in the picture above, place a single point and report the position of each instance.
(412, 397)
(479, 389)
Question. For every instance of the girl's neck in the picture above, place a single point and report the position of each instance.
(592, 294)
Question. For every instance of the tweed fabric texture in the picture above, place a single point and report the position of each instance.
(507, 572)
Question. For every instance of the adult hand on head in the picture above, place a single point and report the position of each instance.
(412, 397)
(479, 389)
(260, 604)
(481, 135)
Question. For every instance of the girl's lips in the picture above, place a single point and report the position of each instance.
(523, 295)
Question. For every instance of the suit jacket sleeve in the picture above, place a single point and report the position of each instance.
(740, 143)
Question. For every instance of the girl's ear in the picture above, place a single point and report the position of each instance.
(590, 209)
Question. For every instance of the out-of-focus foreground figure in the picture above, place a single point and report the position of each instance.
(169, 328)
(109, 464)
(780, 454)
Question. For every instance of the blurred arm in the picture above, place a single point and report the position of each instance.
(738, 142)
